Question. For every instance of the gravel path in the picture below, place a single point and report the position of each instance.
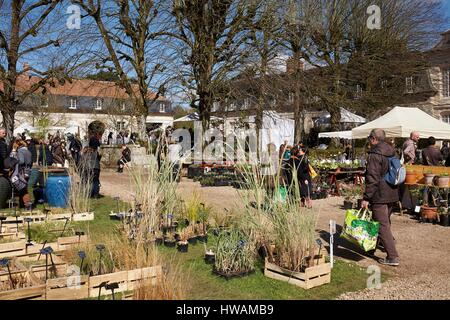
(424, 271)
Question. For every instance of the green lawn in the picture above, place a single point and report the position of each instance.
(202, 284)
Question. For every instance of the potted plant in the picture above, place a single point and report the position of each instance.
(429, 177)
(183, 244)
(348, 198)
(429, 213)
(159, 237)
(210, 257)
(169, 240)
(444, 216)
(235, 255)
(411, 176)
(443, 180)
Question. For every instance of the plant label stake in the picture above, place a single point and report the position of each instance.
(112, 286)
(100, 286)
(43, 246)
(28, 220)
(1, 223)
(332, 232)
(5, 263)
(100, 248)
(79, 234)
(319, 242)
(46, 251)
(65, 224)
(82, 255)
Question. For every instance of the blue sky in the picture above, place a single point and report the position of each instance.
(447, 10)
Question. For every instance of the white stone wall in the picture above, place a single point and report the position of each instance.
(78, 122)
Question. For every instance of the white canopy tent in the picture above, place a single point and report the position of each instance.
(337, 134)
(401, 121)
(346, 117)
(193, 117)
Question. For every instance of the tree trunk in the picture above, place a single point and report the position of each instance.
(335, 121)
(8, 122)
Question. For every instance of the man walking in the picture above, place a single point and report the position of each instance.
(380, 195)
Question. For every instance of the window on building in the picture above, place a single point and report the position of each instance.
(123, 106)
(358, 93)
(409, 85)
(291, 97)
(73, 104)
(120, 125)
(162, 107)
(246, 104)
(446, 118)
(384, 84)
(99, 104)
(44, 102)
(446, 82)
(215, 106)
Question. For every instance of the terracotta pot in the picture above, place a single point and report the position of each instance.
(429, 179)
(411, 178)
(442, 182)
(429, 213)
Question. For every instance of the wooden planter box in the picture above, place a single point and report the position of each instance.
(87, 216)
(12, 248)
(312, 277)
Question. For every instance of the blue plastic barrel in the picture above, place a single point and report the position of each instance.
(57, 189)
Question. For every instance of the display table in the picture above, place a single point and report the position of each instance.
(357, 177)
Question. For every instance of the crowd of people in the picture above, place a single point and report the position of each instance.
(23, 153)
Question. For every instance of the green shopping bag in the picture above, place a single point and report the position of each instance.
(360, 229)
(280, 195)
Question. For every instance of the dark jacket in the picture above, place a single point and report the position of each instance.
(3, 153)
(126, 155)
(45, 154)
(33, 150)
(432, 156)
(377, 189)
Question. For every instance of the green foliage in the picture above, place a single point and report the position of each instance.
(234, 253)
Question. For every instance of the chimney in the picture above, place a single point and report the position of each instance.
(293, 65)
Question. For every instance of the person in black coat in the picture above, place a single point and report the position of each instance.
(45, 155)
(299, 163)
(31, 146)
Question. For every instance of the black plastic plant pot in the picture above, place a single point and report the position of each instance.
(348, 205)
(158, 241)
(444, 220)
(192, 240)
(210, 258)
(170, 243)
(177, 237)
(183, 246)
(202, 238)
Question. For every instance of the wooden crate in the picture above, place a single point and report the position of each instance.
(126, 279)
(312, 277)
(87, 216)
(12, 248)
(67, 288)
(65, 242)
(32, 293)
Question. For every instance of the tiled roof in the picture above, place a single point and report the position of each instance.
(79, 88)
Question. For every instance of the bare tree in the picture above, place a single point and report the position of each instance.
(211, 35)
(125, 27)
(20, 36)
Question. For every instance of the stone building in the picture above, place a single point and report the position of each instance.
(73, 105)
